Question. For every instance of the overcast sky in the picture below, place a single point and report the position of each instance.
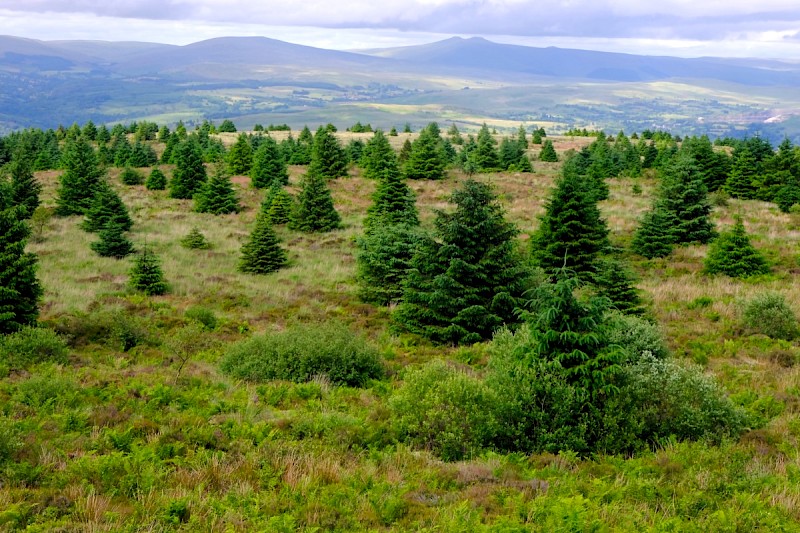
(760, 28)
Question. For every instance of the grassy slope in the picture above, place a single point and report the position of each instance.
(115, 441)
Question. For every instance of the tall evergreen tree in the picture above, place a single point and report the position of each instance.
(393, 203)
(189, 175)
(146, 275)
(301, 154)
(217, 196)
(485, 155)
(383, 261)
(571, 233)
(548, 152)
(654, 236)
(741, 181)
(262, 253)
(24, 188)
(106, 207)
(328, 159)
(315, 211)
(522, 140)
(268, 165)
(240, 156)
(684, 195)
(378, 156)
(113, 242)
(732, 254)
(425, 160)
(169, 150)
(405, 152)
(80, 179)
(20, 290)
(468, 279)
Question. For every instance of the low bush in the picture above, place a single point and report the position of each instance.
(637, 337)
(445, 410)
(30, 346)
(203, 316)
(302, 352)
(770, 315)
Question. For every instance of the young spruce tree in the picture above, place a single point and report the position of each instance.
(468, 279)
(80, 179)
(20, 290)
(146, 274)
(217, 196)
(732, 254)
(106, 207)
(156, 181)
(268, 165)
(314, 211)
(328, 158)
(262, 253)
(24, 187)
(189, 175)
(113, 242)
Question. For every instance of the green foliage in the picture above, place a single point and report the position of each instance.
(268, 165)
(217, 196)
(262, 253)
(106, 207)
(227, 126)
(571, 233)
(113, 242)
(240, 156)
(189, 175)
(392, 203)
(654, 236)
(732, 254)
(383, 261)
(669, 399)
(203, 316)
(788, 195)
(378, 159)
(20, 290)
(303, 352)
(636, 337)
(741, 181)
(684, 196)
(468, 279)
(129, 176)
(328, 159)
(24, 188)
(195, 240)
(146, 275)
(278, 204)
(80, 179)
(445, 410)
(548, 152)
(314, 211)
(31, 345)
(485, 155)
(769, 314)
(614, 281)
(156, 181)
(425, 161)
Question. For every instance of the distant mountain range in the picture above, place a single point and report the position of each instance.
(43, 83)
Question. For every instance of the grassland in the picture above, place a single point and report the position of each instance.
(126, 441)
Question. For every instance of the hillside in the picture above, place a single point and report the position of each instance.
(130, 419)
(261, 80)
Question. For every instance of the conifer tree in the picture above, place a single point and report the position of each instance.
(113, 242)
(20, 290)
(302, 150)
(740, 182)
(378, 156)
(195, 240)
(278, 204)
(314, 211)
(189, 175)
(684, 195)
(129, 176)
(522, 140)
(524, 164)
(169, 151)
(262, 253)
(383, 261)
(328, 159)
(217, 196)
(393, 203)
(614, 281)
(789, 194)
(146, 274)
(654, 236)
(468, 279)
(103, 135)
(405, 152)
(571, 233)
(548, 152)
(240, 156)
(268, 165)
(510, 154)
(80, 179)
(732, 254)
(485, 155)
(156, 181)
(425, 161)
(106, 207)
(24, 189)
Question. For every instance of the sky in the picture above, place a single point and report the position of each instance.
(688, 28)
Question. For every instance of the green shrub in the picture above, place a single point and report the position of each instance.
(30, 345)
(637, 337)
(302, 352)
(204, 316)
(670, 399)
(445, 410)
(47, 391)
(770, 315)
(130, 176)
(10, 441)
(195, 240)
